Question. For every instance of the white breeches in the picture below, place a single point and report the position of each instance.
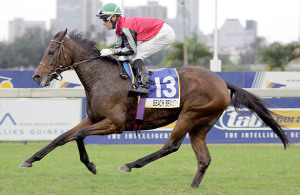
(164, 38)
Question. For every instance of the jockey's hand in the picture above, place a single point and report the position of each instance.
(106, 52)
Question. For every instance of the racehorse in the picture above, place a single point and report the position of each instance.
(204, 97)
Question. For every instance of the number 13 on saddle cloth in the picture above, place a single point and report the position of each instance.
(164, 88)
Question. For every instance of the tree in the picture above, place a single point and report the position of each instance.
(175, 56)
(278, 56)
(198, 54)
(5, 55)
(252, 51)
(225, 58)
(25, 51)
(156, 59)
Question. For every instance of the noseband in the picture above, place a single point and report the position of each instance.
(58, 69)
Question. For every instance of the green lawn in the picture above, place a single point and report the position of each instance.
(235, 169)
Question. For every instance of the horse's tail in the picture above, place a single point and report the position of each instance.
(257, 106)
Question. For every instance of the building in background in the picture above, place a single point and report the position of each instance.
(19, 27)
(251, 31)
(79, 15)
(234, 38)
(192, 16)
(53, 25)
(151, 10)
(154, 10)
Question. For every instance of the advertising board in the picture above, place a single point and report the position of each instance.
(230, 128)
(17, 79)
(45, 119)
(37, 118)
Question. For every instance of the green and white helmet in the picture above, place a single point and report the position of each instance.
(108, 10)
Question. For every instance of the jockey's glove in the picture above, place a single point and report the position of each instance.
(106, 52)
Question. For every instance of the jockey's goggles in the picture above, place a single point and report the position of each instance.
(105, 19)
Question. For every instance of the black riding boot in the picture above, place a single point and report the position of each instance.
(142, 78)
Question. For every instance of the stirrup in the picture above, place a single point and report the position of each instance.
(140, 90)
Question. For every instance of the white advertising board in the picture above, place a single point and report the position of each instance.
(24, 119)
(276, 80)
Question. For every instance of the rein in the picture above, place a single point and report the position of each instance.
(58, 69)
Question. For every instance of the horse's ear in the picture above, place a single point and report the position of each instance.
(61, 35)
(65, 33)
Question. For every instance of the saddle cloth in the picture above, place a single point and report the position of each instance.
(164, 88)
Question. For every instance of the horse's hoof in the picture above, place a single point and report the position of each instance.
(92, 167)
(194, 185)
(125, 168)
(25, 165)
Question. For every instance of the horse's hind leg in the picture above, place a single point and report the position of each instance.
(169, 147)
(185, 123)
(198, 141)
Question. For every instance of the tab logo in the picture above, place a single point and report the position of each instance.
(232, 120)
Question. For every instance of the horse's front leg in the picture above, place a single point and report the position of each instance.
(104, 127)
(59, 141)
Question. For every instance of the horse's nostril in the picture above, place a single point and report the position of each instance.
(36, 77)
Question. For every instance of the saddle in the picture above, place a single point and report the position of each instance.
(123, 75)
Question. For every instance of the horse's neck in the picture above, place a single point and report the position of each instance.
(98, 71)
(94, 71)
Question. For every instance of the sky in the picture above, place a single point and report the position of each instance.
(278, 20)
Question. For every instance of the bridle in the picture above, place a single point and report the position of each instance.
(58, 68)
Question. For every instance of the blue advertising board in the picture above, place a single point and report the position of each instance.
(17, 79)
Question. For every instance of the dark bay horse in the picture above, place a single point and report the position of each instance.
(204, 96)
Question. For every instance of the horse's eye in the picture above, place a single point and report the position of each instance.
(51, 52)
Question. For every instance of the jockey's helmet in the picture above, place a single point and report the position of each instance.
(108, 10)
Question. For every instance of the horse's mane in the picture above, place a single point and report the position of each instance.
(89, 45)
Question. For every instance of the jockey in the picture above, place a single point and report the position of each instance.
(138, 38)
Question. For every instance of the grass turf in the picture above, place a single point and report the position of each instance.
(235, 169)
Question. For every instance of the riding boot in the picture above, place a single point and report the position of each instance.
(142, 78)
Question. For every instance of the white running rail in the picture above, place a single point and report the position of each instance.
(79, 93)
